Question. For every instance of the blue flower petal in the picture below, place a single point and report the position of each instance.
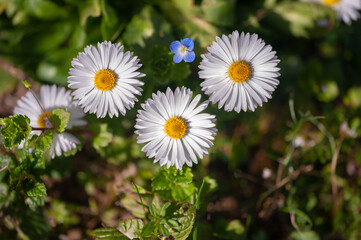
(174, 46)
(177, 58)
(188, 43)
(190, 57)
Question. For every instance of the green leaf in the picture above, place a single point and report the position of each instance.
(180, 71)
(163, 209)
(300, 17)
(15, 129)
(132, 228)
(102, 136)
(108, 234)
(139, 28)
(110, 27)
(91, 8)
(44, 9)
(60, 119)
(35, 189)
(78, 37)
(307, 235)
(131, 205)
(35, 202)
(43, 142)
(173, 184)
(302, 219)
(153, 210)
(164, 230)
(35, 224)
(63, 213)
(185, 216)
(233, 230)
(353, 97)
(219, 12)
(148, 229)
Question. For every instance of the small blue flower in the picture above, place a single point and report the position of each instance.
(183, 50)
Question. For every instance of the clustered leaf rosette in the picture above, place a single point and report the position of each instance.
(347, 10)
(105, 79)
(183, 50)
(51, 97)
(175, 130)
(239, 72)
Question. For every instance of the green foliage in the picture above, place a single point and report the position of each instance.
(108, 234)
(132, 228)
(233, 230)
(35, 189)
(60, 119)
(173, 184)
(15, 129)
(220, 12)
(224, 196)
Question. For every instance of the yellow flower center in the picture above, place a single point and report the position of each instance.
(183, 49)
(43, 118)
(330, 2)
(175, 127)
(104, 80)
(239, 71)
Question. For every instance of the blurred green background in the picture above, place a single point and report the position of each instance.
(320, 76)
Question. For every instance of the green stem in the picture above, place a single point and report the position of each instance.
(198, 201)
(141, 200)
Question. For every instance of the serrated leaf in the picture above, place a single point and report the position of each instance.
(186, 216)
(15, 129)
(35, 202)
(173, 184)
(43, 142)
(168, 177)
(132, 228)
(60, 119)
(108, 234)
(35, 189)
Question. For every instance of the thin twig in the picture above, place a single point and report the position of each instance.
(2, 169)
(293, 221)
(333, 174)
(295, 174)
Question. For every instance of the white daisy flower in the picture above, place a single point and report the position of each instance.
(175, 130)
(51, 97)
(105, 79)
(239, 72)
(347, 10)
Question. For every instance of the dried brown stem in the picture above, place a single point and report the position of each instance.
(333, 175)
